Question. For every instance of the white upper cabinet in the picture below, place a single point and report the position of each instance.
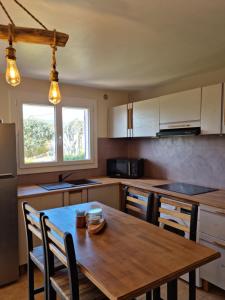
(146, 118)
(211, 116)
(118, 121)
(180, 109)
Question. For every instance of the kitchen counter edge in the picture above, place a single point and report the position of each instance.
(214, 199)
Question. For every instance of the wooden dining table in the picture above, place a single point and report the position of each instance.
(130, 256)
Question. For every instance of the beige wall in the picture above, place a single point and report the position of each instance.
(181, 84)
(8, 96)
(4, 101)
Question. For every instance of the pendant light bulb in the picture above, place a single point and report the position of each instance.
(12, 74)
(54, 91)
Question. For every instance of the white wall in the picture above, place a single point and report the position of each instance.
(180, 84)
(8, 96)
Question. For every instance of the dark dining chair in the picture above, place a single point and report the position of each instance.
(166, 212)
(35, 254)
(69, 283)
(138, 203)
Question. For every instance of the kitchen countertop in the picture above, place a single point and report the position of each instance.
(215, 199)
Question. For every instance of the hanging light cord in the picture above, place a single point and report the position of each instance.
(30, 14)
(54, 49)
(7, 14)
(26, 10)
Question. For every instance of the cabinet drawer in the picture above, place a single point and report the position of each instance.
(212, 221)
(214, 272)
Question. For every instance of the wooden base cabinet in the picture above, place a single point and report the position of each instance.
(39, 203)
(214, 272)
(108, 195)
(212, 235)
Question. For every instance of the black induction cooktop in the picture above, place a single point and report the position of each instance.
(185, 188)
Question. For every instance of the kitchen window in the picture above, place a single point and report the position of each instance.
(39, 134)
(61, 137)
(75, 122)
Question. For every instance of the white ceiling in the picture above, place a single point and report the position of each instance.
(124, 44)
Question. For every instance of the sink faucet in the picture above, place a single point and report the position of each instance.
(62, 177)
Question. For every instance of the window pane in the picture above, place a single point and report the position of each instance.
(75, 133)
(39, 133)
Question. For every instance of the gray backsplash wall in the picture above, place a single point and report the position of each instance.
(196, 159)
(199, 160)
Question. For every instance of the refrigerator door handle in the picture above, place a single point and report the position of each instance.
(6, 175)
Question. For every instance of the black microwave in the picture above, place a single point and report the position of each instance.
(125, 168)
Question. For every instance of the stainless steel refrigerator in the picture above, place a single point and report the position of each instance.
(8, 205)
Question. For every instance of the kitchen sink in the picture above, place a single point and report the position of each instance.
(83, 182)
(68, 184)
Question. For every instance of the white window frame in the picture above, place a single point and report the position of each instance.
(59, 165)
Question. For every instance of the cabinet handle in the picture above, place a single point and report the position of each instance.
(179, 126)
(220, 213)
(130, 118)
(214, 212)
(220, 244)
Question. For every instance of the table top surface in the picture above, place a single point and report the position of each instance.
(130, 256)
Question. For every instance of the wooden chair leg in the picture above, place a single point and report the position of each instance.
(205, 285)
(172, 290)
(46, 286)
(192, 285)
(51, 293)
(149, 295)
(156, 294)
(30, 274)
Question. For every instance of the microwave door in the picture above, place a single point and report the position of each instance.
(122, 168)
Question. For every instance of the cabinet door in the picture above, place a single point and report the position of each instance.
(75, 198)
(180, 107)
(39, 203)
(118, 121)
(108, 195)
(211, 109)
(146, 118)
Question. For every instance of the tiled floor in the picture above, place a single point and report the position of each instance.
(18, 291)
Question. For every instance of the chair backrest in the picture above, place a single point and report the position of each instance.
(176, 216)
(138, 203)
(60, 244)
(32, 221)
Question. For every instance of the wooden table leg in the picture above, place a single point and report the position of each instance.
(192, 285)
(172, 290)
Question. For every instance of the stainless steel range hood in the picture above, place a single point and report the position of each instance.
(179, 132)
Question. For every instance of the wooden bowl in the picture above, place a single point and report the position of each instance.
(95, 228)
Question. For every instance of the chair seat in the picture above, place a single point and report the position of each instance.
(87, 290)
(37, 256)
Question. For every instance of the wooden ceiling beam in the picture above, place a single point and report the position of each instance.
(34, 35)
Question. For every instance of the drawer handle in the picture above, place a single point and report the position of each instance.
(220, 213)
(220, 244)
(214, 212)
